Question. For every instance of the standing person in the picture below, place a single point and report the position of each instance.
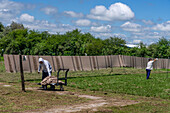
(47, 68)
(149, 67)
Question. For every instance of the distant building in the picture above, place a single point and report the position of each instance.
(131, 45)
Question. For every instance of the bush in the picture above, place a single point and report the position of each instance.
(1, 58)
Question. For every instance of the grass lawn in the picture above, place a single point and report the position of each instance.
(153, 94)
(133, 84)
(13, 100)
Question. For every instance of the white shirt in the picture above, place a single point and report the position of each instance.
(150, 65)
(46, 67)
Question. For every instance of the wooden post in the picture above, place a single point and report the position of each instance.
(22, 74)
(167, 68)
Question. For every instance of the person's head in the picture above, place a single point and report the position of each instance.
(150, 59)
(41, 61)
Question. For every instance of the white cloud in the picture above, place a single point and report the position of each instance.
(162, 27)
(83, 22)
(107, 35)
(9, 10)
(10, 5)
(117, 11)
(149, 22)
(49, 10)
(101, 28)
(132, 27)
(74, 14)
(26, 18)
(50, 27)
(138, 33)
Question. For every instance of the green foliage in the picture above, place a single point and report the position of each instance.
(1, 27)
(1, 58)
(160, 49)
(15, 39)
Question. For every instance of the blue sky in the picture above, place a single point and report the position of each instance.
(132, 20)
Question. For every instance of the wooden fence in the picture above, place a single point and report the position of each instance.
(80, 63)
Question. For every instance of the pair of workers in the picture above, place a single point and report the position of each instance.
(47, 68)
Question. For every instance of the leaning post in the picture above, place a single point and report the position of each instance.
(22, 74)
(167, 68)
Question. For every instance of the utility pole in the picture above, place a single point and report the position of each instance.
(22, 74)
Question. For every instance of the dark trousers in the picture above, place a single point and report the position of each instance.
(45, 74)
(148, 71)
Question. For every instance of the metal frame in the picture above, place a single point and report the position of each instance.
(58, 78)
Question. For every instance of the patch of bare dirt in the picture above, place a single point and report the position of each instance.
(119, 102)
(1, 83)
(5, 85)
(92, 105)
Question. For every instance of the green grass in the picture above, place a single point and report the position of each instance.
(1, 58)
(118, 80)
(14, 100)
(133, 84)
(2, 67)
(145, 107)
(127, 83)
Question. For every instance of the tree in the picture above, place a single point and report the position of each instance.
(94, 48)
(152, 50)
(162, 48)
(142, 51)
(15, 41)
(1, 30)
(1, 27)
(113, 44)
(15, 25)
(32, 39)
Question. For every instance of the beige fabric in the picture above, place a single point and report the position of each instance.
(115, 62)
(101, 62)
(68, 62)
(86, 63)
(50, 80)
(78, 63)
(81, 63)
(26, 63)
(7, 63)
(32, 64)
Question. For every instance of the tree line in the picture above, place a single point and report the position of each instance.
(16, 39)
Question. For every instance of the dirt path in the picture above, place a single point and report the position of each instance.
(92, 105)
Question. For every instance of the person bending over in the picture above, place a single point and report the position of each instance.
(47, 68)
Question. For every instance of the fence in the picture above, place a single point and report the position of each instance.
(82, 63)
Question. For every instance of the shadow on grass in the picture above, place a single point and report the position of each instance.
(94, 76)
(33, 80)
(14, 82)
(50, 89)
(76, 77)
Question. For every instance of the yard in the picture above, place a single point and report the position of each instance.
(120, 90)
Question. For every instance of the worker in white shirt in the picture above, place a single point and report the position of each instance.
(47, 68)
(149, 67)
